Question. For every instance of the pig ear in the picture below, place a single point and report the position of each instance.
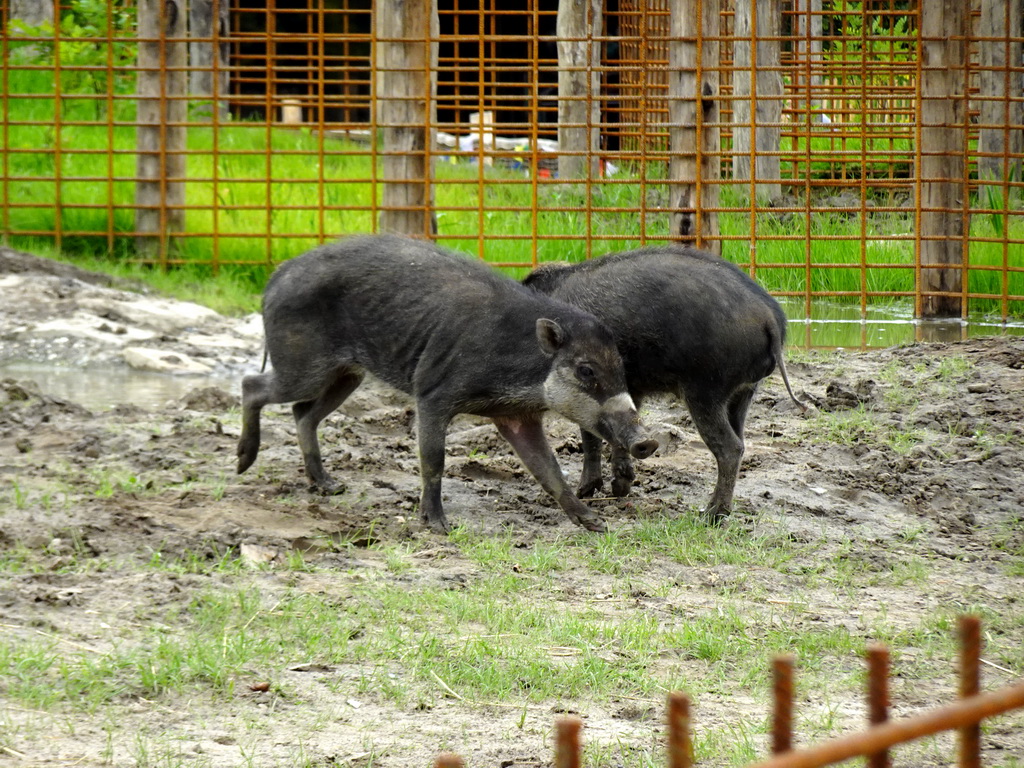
(550, 335)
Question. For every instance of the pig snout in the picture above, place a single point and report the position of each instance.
(637, 442)
(620, 424)
(643, 448)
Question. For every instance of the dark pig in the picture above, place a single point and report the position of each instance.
(451, 332)
(687, 323)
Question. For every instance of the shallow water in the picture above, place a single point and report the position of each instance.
(103, 388)
(841, 326)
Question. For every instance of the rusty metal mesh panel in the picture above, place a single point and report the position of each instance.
(285, 123)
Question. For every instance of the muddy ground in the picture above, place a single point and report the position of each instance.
(935, 471)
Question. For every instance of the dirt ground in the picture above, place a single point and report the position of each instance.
(134, 480)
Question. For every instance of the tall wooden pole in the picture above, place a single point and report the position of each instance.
(209, 77)
(942, 194)
(757, 96)
(31, 13)
(807, 42)
(406, 106)
(1000, 86)
(160, 135)
(693, 133)
(579, 84)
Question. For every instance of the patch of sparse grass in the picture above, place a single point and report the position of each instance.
(110, 481)
(621, 753)
(737, 743)
(495, 643)
(911, 570)
(39, 494)
(204, 561)
(684, 536)
(1014, 548)
(19, 496)
(899, 393)
(860, 426)
(944, 373)
(17, 558)
(987, 442)
(397, 558)
(689, 539)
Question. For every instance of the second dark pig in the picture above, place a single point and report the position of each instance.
(687, 323)
(453, 333)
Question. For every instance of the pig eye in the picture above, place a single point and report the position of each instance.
(585, 373)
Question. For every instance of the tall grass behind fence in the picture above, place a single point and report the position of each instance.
(286, 140)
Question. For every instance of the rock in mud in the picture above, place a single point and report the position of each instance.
(212, 399)
(162, 361)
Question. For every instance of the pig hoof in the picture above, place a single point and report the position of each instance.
(591, 523)
(589, 487)
(245, 460)
(715, 515)
(328, 488)
(621, 486)
(438, 525)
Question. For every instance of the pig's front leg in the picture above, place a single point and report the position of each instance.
(526, 436)
(431, 424)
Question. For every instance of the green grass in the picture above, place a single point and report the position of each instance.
(489, 642)
(265, 210)
(603, 620)
(491, 639)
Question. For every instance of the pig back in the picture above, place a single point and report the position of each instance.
(413, 314)
(680, 317)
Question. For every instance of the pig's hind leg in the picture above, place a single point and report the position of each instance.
(431, 424)
(719, 420)
(308, 415)
(257, 391)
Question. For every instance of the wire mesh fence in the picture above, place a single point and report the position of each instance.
(861, 152)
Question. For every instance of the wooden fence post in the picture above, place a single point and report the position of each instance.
(970, 685)
(940, 149)
(209, 77)
(448, 760)
(878, 698)
(567, 742)
(32, 13)
(160, 136)
(579, 85)
(1000, 85)
(406, 105)
(693, 134)
(680, 749)
(782, 711)
(757, 96)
